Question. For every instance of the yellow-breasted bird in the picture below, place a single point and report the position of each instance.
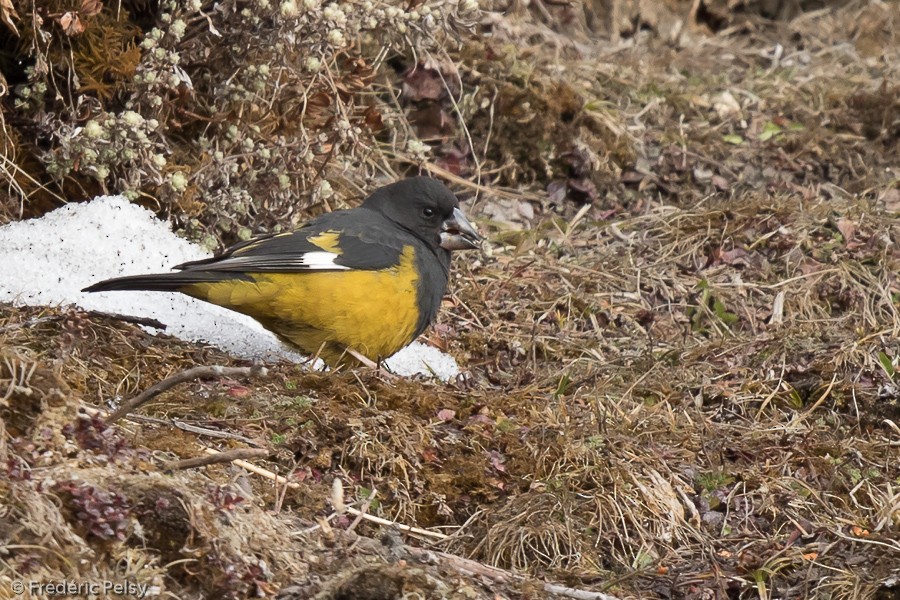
(370, 278)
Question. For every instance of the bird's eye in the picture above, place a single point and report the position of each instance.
(428, 212)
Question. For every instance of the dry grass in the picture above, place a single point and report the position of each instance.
(686, 389)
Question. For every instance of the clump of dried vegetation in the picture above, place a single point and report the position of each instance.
(242, 113)
(681, 352)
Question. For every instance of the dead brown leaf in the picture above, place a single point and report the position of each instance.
(446, 414)
(239, 391)
(89, 8)
(454, 157)
(497, 461)
(7, 14)
(847, 229)
(71, 23)
(430, 455)
(432, 121)
(423, 84)
(736, 257)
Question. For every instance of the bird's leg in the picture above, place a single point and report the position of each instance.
(366, 361)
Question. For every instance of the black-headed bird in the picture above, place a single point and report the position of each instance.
(369, 279)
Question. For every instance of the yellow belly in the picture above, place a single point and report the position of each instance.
(372, 312)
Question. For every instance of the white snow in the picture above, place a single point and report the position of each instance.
(48, 261)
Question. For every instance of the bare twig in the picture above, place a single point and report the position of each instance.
(348, 509)
(472, 567)
(220, 457)
(407, 528)
(213, 371)
(144, 321)
(363, 511)
(226, 435)
(259, 471)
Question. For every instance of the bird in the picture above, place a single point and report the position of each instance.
(349, 284)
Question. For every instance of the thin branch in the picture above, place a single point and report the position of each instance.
(144, 321)
(462, 564)
(407, 528)
(467, 565)
(259, 470)
(226, 435)
(214, 371)
(221, 457)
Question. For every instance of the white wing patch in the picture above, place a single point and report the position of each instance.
(274, 263)
(320, 261)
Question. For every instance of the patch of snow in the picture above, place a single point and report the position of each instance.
(48, 261)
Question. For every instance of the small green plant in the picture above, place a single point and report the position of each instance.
(713, 480)
(887, 365)
(562, 387)
(708, 307)
(368, 495)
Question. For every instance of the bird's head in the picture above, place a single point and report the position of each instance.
(427, 208)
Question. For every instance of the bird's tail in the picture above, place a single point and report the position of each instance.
(162, 282)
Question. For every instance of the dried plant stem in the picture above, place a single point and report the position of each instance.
(218, 458)
(472, 567)
(462, 564)
(214, 371)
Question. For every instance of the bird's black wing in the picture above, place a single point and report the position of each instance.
(359, 239)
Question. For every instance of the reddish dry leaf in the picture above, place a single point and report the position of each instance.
(497, 461)
(373, 120)
(71, 23)
(420, 83)
(720, 183)
(432, 121)
(238, 391)
(808, 266)
(795, 535)
(736, 257)
(632, 176)
(480, 419)
(454, 159)
(431, 80)
(430, 455)
(847, 229)
(89, 8)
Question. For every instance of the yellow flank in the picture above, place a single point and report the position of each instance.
(373, 312)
